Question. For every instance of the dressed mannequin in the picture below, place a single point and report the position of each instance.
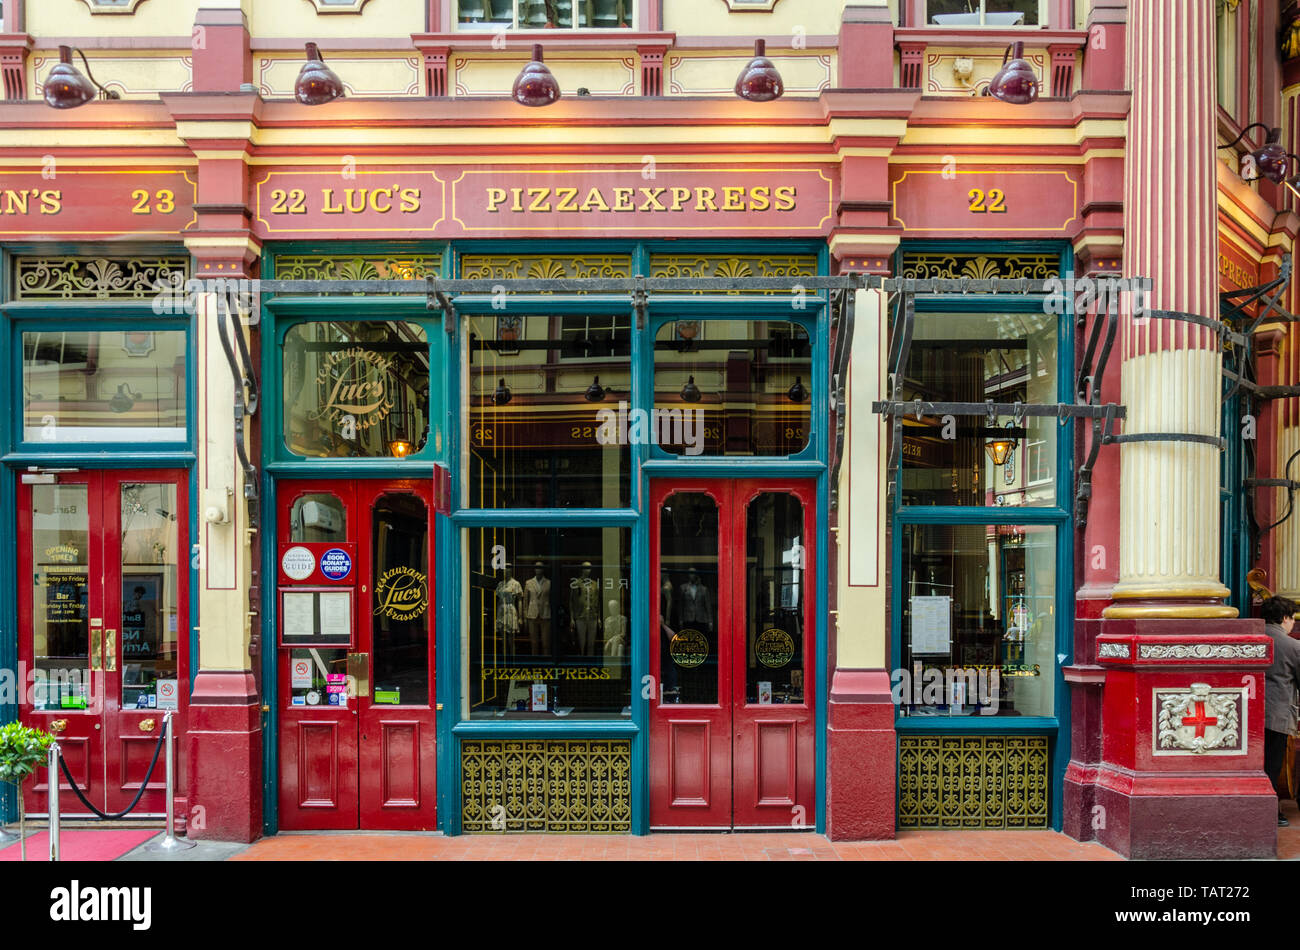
(537, 610)
(615, 631)
(584, 609)
(508, 594)
(696, 603)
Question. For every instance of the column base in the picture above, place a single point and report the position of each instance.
(225, 734)
(1079, 817)
(1160, 816)
(862, 757)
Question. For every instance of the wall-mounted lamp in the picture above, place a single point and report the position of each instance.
(1271, 159)
(66, 88)
(316, 83)
(759, 81)
(998, 449)
(1016, 81)
(535, 85)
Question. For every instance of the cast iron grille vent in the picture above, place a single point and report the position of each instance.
(963, 782)
(98, 278)
(574, 786)
(923, 266)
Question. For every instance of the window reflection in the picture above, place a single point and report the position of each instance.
(775, 588)
(318, 517)
(356, 389)
(543, 392)
(150, 618)
(688, 598)
(400, 614)
(741, 387)
(60, 621)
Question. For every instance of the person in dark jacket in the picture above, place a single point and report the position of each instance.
(1281, 681)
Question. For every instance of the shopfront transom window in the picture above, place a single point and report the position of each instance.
(545, 14)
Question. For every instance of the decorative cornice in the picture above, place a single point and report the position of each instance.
(1201, 651)
(1113, 649)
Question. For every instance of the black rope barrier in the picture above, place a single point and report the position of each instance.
(63, 765)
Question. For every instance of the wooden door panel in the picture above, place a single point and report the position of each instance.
(775, 759)
(690, 763)
(326, 763)
(400, 758)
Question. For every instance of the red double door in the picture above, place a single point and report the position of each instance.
(103, 618)
(732, 648)
(364, 757)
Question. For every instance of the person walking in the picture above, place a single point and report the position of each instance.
(1281, 682)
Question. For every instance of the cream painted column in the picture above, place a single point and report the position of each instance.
(1171, 372)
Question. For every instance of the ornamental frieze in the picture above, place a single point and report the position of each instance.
(1202, 651)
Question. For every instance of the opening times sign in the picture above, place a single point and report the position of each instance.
(452, 202)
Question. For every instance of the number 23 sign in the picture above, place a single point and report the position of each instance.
(985, 200)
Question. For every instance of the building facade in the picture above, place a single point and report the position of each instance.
(826, 540)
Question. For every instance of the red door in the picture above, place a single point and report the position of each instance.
(358, 723)
(732, 647)
(104, 617)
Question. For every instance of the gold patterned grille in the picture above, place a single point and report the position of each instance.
(97, 278)
(980, 266)
(357, 266)
(972, 782)
(543, 266)
(743, 265)
(567, 785)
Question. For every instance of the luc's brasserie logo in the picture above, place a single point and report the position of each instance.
(354, 382)
(401, 594)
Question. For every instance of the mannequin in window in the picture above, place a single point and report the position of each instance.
(667, 668)
(584, 609)
(696, 603)
(615, 631)
(537, 610)
(509, 592)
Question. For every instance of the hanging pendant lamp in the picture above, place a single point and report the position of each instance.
(316, 83)
(759, 81)
(535, 85)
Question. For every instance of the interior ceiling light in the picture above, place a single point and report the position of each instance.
(535, 86)
(316, 83)
(759, 81)
(1016, 82)
(690, 392)
(66, 88)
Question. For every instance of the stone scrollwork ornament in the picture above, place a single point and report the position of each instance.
(1198, 720)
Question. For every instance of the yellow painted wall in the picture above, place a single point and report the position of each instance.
(712, 18)
(133, 75)
(298, 18)
(73, 18)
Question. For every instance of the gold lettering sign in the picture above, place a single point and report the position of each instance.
(1235, 273)
(401, 594)
(62, 554)
(688, 648)
(354, 382)
(774, 648)
(547, 673)
(641, 200)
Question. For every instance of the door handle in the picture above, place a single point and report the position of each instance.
(147, 725)
(58, 726)
(96, 649)
(110, 650)
(359, 672)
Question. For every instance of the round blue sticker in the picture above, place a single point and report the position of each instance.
(335, 564)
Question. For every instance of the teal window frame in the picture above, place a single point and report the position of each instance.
(1060, 515)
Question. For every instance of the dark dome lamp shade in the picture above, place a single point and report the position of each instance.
(1016, 81)
(316, 83)
(503, 394)
(66, 88)
(1272, 161)
(759, 81)
(595, 392)
(690, 392)
(797, 392)
(535, 85)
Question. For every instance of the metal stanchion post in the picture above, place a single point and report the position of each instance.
(169, 840)
(53, 766)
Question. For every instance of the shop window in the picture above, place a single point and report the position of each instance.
(995, 13)
(357, 267)
(793, 266)
(732, 387)
(548, 623)
(1007, 358)
(112, 6)
(97, 278)
(545, 14)
(400, 581)
(544, 266)
(356, 389)
(1225, 52)
(149, 623)
(540, 430)
(978, 620)
(318, 517)
(104, 386)
(60, 625)
(922, 265)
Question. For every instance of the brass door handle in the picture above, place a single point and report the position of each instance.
(97, 649)
(148, 725)
(58, 726)
(110, 650)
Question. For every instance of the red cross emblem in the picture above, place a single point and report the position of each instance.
(1200, 720)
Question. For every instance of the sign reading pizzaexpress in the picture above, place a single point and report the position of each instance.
(96, 204)
(450, 201)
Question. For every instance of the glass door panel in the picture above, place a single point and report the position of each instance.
(776, 589)
(688, 600)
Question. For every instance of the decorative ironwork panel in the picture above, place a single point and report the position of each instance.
(980, 266)
(743, 265)
(570, 785)
(357, 266)
(973, 782)
(543, 266)
(97, 278)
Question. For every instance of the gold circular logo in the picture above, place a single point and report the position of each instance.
(401, 594)
(688, 648)
(774, 648)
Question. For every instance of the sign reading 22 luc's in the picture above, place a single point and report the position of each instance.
(501, 202)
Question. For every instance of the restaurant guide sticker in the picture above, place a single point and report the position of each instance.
(335, 564)
(298, 563)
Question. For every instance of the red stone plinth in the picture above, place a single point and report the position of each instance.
(861, 757)
(225, 735)
(1182, 758)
